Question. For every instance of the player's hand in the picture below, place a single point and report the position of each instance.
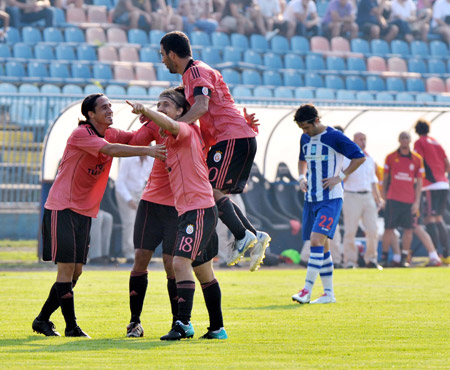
(162, 132)
(158, 151)
(251, 120)
(303, 185)
(138, 108)
(330, 182)
(415, 208)
(381, 204)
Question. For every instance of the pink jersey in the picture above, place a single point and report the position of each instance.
(223, 121)
(434, 159)
(158, 188)
(83, 172)
(188, 173)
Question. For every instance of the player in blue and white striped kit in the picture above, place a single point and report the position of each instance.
(322, 150)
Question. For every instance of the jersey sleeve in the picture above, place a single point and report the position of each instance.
(420, 168)
(114, 135)
(145, 135)
(87, 140)
(302, 143)
(387, 165)
(346, 147)
(183, 133)
(199, 78)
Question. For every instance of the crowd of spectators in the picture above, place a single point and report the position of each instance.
(388, 19)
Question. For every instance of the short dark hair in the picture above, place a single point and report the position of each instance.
(422, 127)
(177, 42)
(176, 94)
(306, 113)
(88, 105)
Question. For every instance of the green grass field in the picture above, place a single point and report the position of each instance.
(397, 318)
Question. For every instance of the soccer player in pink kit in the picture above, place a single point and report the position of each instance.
(197, 242)
(229, 138)
(74, 199)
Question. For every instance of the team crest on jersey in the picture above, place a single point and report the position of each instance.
(189, 229)
(217, 157)
(205, 91)
(411, 167)
(313, 149)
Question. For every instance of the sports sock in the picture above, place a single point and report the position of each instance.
(229, 217)
(396, 258)
(432, 230)
(50, 305)
(314, 264)
(245, 221)
(443, 238)
(326, 274)
(433, 256)
(137, 288)
(213, 299)
(66, 301)
(185, 292)
(173, 296)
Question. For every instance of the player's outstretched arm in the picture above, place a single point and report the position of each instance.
(160, 119)
(123, 150)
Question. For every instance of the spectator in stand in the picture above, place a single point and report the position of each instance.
(372, 22)
(436, 186)
(302, 18)
(4, 22)
(197, 15)
(64, 4)
(24, 12)
(425, 10)
(339, 19)
(242, 16)
(167, 19)
(271, 12)
(134, 14)
(404, 14)
(441, 19)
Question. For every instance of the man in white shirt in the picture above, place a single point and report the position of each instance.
(441, 19)
(302, 17)
(133, 175)
(362, 200)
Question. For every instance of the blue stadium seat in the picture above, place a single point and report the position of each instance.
(59, 17)
(404, 97)
(37, 71)
(13, 36)
(6, 87)
(74, 35)
(314, 62)
(415, 85)
(345, 95)
(293, 61)
(108, 3)
(400, 47)
(155, 36)
(134, 90)
(279, 44)
(325, 93)
(436, 66)
(239, 41)
(242, 92)
(115, 90)
(300, 45)
(71, 89)
(102, 71)
(154, 91)
(93, 89)
(420, 49)
(395, 84)
(375, 83)
(251, 77)
(272, 60)
(231, 76)
(438, 49)
(5, 51)
(283, 92)
(14, 69)
(220, 40)
(65, 52)
(50, 89)
(59, 71)
(23, 50)
(336, 63)
(149, 55)
(384, 96)
(355, 83)
(417, 65)
(27, 88)
(210, 56)
(304, 94)
(312, 79)
(2, 70)
(31, 35)
(200, 38)
(262, 92)
(259, 43)
(252, 57)
(442, 98)
(86, 52)
(356, 64)
(81, 70)
(424, 97)
(53, 35)
(272, 78)
(232, 54)
(137, 36)
(379, 47)
(163, 74)
(360, 46)
(333, 82)
(365, 96)
(292, 78)
(44, 52)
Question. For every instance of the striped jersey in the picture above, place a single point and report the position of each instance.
(324, 154)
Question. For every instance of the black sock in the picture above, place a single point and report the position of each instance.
(384, 256)
(213, 301)
(245, 221)
(185, 292)
(433, 232)
(66, 301)
(443, 238)
(50, 305)
(137, 288)
(229, 217)
(173, 297)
